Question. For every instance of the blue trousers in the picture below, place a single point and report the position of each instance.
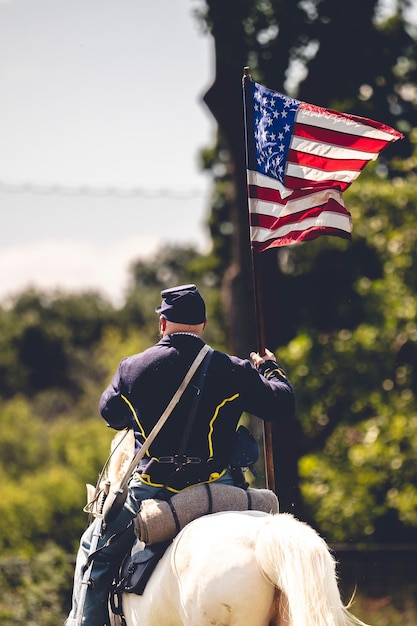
(96, 568)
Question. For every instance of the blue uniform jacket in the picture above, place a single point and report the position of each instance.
(144, 384)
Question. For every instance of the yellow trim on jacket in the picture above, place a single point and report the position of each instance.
(213, 419)
(212, 478)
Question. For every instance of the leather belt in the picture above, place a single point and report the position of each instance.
(179, 459)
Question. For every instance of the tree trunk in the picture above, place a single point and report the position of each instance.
(225, 101)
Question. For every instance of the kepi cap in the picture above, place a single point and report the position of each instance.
(183, 305)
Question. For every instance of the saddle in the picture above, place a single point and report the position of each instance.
(159, 521)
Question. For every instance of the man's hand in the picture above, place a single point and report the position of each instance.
(257, 359)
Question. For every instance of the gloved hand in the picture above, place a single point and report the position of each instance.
(257, 359)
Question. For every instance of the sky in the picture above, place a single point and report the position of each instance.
(101, 124)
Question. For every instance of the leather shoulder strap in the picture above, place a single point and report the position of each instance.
(196, 401)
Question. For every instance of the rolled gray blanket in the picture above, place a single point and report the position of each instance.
(159, 520)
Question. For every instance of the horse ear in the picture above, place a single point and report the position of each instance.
(90, 492)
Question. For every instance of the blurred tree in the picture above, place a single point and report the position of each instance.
(363, 375)
(45, 340)
(173, 265)
(359, 58)
(29, 594)
(43, 469)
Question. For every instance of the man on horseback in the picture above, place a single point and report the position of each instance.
(195, 444)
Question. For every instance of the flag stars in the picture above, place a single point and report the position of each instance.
(273, 118)
(273, 155)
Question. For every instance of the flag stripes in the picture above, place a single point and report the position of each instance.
(300, 159)
(278, 216)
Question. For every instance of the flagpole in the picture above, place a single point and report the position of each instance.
(258, 297)
(260, 331)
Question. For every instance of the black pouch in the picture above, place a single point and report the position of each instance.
(246, 452)
(137, 569)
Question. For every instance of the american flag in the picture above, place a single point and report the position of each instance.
(300, 159)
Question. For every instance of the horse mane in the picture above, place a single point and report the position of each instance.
(122, 451)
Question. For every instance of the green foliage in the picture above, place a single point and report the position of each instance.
(34, 590)
(363, 484)
(21, 439)
(44, 468)
(45, 340)
(398, 608)
(173, 265)
(356, 385)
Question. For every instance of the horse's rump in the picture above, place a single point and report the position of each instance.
(207, 576)
(238, 568)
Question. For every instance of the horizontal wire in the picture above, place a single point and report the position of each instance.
(100, 192)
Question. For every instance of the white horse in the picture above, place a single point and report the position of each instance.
(242, 569)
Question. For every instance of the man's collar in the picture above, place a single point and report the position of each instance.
(166, 339)
(187, 334)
